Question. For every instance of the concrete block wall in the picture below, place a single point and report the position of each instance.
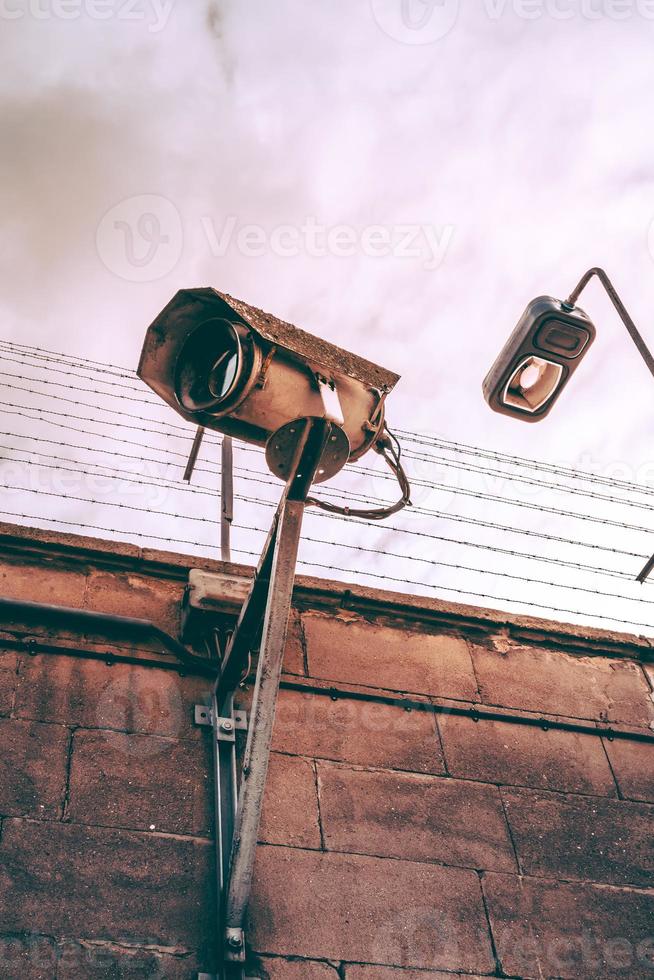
(399, 841)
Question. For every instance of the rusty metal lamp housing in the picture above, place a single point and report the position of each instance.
(226, 365)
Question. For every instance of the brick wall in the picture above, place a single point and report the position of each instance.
(405, 836)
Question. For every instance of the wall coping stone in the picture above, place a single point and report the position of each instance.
(30, 544)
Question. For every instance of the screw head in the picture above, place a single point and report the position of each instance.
(234, 942)
(226, 726)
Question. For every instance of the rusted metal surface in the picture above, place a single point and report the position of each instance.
(310, 348)
(277, 380)
(257, 754)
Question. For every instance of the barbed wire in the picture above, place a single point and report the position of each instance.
(496, 498)
(121, 475)
(315, 540)
(335, 568)
(113, 429)
(442, 515)
(514, 478)
(517, 461)
(132, 382)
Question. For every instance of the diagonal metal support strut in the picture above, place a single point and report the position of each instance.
(264, 617)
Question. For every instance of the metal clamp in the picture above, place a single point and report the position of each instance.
(227, 727)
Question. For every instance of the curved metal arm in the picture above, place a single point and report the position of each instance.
(617, 302)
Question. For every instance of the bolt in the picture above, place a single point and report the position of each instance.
(234, 942)
(226, 726)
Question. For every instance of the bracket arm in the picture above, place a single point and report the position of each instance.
(632, 329)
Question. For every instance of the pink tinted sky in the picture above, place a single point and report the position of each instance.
(522, 145)
(505, 145)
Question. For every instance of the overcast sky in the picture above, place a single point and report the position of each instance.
(398, 176)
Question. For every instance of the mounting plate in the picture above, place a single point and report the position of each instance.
(239, 722)
(281, 447)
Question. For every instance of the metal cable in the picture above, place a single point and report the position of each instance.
(391, 456)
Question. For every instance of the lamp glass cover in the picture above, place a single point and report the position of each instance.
(532, 384)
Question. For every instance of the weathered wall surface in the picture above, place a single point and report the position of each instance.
(401, 840)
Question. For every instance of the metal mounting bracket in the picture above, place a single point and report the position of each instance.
(227, 727)
(262, 624)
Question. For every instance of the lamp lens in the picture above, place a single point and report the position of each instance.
(209, 366)
(531, 375)
(532, 384)
(223, 373)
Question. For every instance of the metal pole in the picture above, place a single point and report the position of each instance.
(255, 766)
(275, 575)
(193, 455)
(225, 788)
(227, 497)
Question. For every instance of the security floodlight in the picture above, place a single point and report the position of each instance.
(545, 349)
(538, 360)
(226, 365)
